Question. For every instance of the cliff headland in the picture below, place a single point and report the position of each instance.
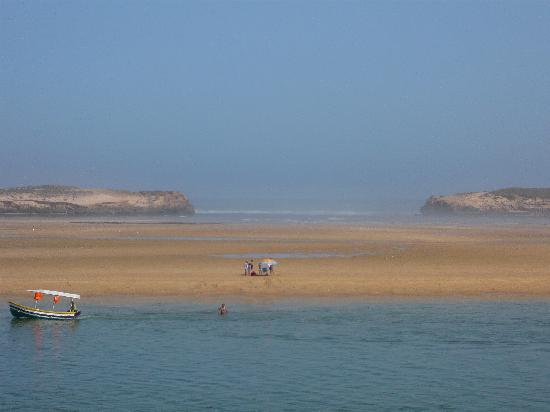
(514, 201)
(70, 200)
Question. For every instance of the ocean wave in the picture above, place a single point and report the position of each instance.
(286, 212)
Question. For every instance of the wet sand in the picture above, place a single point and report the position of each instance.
(205, 260)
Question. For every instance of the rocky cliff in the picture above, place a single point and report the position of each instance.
(47, 200)
(512, 201)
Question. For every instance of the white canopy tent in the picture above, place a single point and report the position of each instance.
(55, 293)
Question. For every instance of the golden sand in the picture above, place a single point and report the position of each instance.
(198, 260)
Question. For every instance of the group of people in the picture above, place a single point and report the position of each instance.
(264, 268)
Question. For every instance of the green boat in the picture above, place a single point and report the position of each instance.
(22, 311)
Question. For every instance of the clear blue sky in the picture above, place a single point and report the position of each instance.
(363, 102)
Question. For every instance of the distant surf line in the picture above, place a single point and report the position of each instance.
(286, 212)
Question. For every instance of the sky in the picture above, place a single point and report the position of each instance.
(336, 104)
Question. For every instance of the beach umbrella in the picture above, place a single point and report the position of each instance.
(269, 261)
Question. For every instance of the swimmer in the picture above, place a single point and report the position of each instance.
(222, 310)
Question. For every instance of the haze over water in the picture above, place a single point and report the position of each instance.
(277, 105)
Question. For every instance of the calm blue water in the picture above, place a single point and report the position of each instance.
(317, 356)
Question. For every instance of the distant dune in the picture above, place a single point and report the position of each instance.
(512, 201)
(70, 200)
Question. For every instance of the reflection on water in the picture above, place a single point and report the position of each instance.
(45, 332)
(287, 356)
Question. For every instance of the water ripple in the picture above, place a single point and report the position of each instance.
(380, 356)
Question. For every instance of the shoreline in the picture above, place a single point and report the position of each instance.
(278, 301)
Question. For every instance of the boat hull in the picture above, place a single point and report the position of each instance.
(22, 311)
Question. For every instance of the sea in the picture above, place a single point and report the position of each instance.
(292, 355)
(310, 217)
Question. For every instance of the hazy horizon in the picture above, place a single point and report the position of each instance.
(319, 105)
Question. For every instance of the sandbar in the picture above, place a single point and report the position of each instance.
(315, 260)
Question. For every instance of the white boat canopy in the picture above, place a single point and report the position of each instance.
(55, 293)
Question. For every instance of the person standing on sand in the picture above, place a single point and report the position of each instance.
(246, 268)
